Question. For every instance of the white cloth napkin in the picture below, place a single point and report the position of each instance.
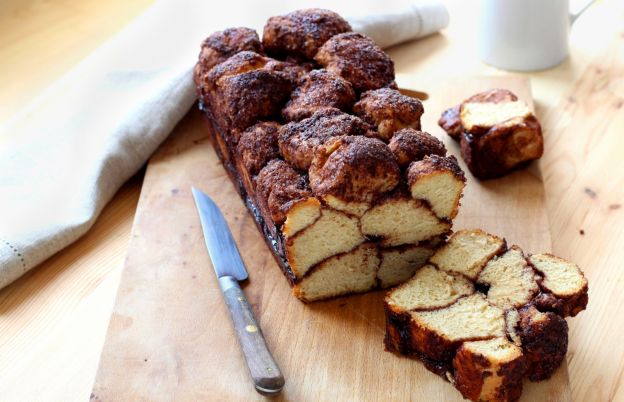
(64, 157)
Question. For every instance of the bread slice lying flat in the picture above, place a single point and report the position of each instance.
(484, 316)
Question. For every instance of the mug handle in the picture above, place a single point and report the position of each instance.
(580, 9)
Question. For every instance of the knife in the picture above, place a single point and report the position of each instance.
(230, 269)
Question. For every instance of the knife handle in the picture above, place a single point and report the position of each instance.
(267, 377)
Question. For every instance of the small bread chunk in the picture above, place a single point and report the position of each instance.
(490, 370)
(564, 281)
(398, 264)
(298, 140)
(409, 145)
(510, 279)
(331, 234)
(318, 90)
(301, 33)
(353, 168)
(467, 252)
(351, 272)
(258, 145)
(430, 288)
(450, 122)
(389, 111)
(497, 133)
(220, 45)
(439, 181)
(473, 315)
(279, 188)
(357, 59)
(544, 338)
(243, 90)
(402, 220)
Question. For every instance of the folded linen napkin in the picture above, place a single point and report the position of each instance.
(64, 157)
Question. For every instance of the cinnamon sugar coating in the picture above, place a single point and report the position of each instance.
(219, 46)
(503, 148)
(245, 88)
(410, 145)
(278, 187)
(389, 111)
(434, 163)
(317, 90)
(544, 342)
(354, 168)
(357, 59)
(258, 145)
(298, 140)
(301, 33)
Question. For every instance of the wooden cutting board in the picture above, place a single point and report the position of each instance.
(170, 336)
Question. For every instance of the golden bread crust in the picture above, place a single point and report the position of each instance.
(357, 59)
(389, 111)
(301, 33)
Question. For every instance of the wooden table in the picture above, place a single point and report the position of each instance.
(53, 320)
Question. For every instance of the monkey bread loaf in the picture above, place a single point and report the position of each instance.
(484, 316)
(497, 132)
(327, 155)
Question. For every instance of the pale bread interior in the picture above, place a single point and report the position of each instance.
(430, 288)
(512, 281)
(467, 252)
(470, 317)
(351, 207)
(442, 190)
(399, 264)
(561, 277)
(333, 233)
(402, 221)
(301, 215)
(488, 114)
(351, 272)
(497, 350)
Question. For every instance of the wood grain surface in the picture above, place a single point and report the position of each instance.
(170, 330)
(53, 321)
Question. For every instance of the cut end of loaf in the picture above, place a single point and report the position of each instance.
(402, 221)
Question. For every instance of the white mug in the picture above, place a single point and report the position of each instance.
(525, 35)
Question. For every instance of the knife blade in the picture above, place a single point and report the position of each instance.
(230, 269)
